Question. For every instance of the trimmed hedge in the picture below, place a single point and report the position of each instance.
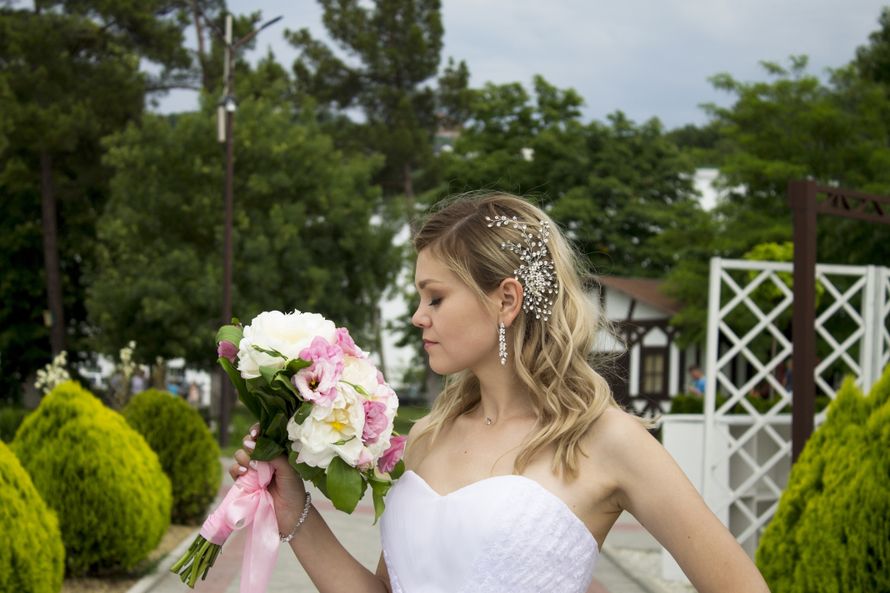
(100, 476)
(31, 552)
(831, 531)
(185, 446)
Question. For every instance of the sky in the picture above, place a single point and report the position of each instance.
(647, 58)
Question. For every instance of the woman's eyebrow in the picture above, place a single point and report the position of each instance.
(426, 281)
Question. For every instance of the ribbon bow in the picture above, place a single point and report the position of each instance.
(249, 504)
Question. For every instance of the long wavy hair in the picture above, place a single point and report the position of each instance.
(552, 358)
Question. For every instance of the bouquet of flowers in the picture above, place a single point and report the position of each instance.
(320, 400)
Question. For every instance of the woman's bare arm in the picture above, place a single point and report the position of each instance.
(653, 488)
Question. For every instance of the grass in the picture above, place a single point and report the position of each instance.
(242, 421)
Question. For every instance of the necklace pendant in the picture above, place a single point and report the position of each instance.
(488, 421)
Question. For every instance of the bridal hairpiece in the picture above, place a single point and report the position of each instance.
(536, 270)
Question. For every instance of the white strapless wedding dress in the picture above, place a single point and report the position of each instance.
(504, 534)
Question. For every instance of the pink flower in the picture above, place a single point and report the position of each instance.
(226, 349)
(345, 342)
(391, 457)
(375, 421)
(365, 460)
(318, 382)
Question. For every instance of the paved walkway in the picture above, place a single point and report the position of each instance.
(619, 568)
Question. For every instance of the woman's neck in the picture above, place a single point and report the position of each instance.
(503, 397)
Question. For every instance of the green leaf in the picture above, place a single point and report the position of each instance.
(229, 333)
(277, 429)
(268, 373)
(398, 470)
(358, 388)
(379, 488)
(345, 485)
(244, 394)
(297, 364)
(303, 412)
(266, 449)
(306, 471)
(269, 351)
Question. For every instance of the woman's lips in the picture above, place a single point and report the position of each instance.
(428, 343)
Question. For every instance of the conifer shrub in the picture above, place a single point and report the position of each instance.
(101, 478)
(31, 552)
(831, 531)
(185, 446)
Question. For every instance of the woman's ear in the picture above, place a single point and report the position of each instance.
(509, 294)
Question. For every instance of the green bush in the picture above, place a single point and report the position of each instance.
(10, 419)
(31, 553)
(99, 475)
(186, 448)
(831, 531)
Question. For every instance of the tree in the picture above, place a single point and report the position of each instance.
(71, 74)
(615, 187)
(794, 126)
(306, 235)
(395, 46)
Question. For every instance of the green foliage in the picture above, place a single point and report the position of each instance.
(99, 475)
(185, 447)
(10, 419)
(831, 531)
(32, 557)
(622, 191)
(689, 403)
(394, 48)
(791, 126)
(304, 233)
(71, 74)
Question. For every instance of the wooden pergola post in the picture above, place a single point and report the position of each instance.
(805, 207)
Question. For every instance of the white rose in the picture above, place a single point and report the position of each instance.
(316, 438)
(288, 333)
(358, 371)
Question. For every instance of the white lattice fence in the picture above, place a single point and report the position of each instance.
(747, 437)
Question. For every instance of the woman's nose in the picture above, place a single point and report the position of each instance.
(419, 319)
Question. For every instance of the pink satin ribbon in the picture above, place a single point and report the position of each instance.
(248, 503)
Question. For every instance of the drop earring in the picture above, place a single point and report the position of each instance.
(502, 342)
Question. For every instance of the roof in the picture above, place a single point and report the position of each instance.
(645, 290)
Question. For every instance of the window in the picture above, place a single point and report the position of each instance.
(653, 367)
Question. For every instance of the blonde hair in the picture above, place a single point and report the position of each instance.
(552, 357)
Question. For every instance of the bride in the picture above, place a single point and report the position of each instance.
(525, 462)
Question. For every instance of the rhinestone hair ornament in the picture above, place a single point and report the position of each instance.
(536, 271)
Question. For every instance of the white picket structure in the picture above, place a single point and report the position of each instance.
(756, 446)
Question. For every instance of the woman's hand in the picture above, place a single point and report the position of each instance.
(286, 488)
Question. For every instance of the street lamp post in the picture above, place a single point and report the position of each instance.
(226, 121)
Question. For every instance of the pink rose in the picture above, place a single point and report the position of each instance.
(345, 342)
(375, 421)
(391, 457)
(226, 349)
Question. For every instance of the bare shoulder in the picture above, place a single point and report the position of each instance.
(414, 450)
(616, 431)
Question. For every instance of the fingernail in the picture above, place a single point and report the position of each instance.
(242, 469)
(253, 463)
(253, 432)
(249, 443)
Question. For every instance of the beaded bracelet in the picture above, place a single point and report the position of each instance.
(286, 538)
